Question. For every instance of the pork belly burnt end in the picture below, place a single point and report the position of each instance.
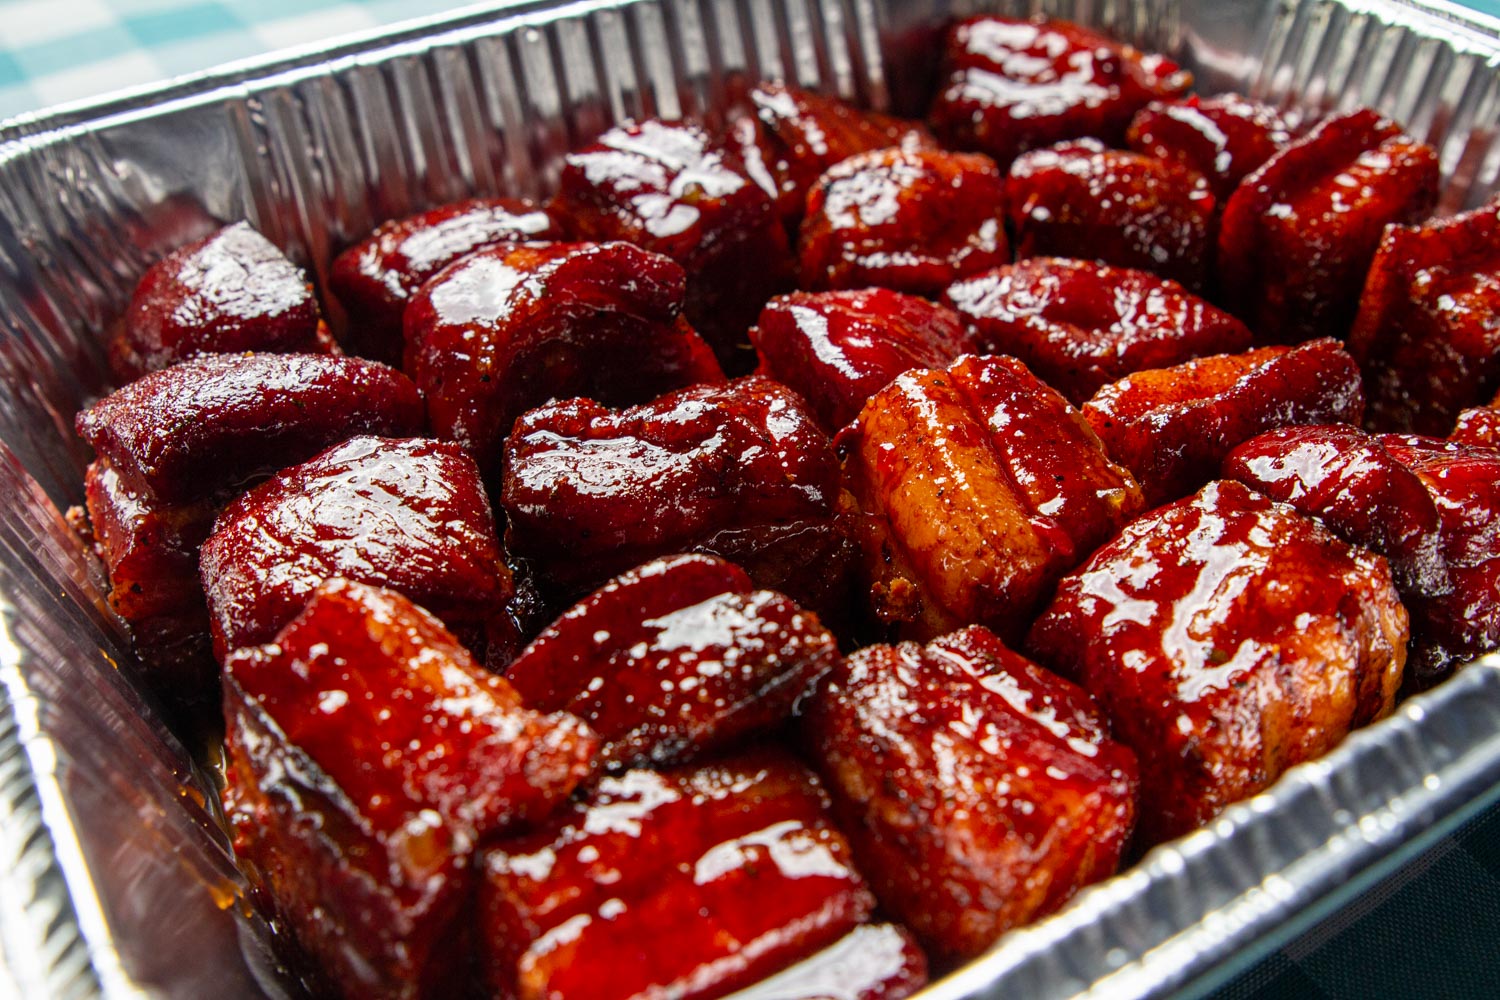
(837, 349)
(1479, 425)
(367, 755)
(686, 883)
(674, 659)
(1008, 86)
(1426, 335)
(407, 514)
(1173, 426)
(739, 470)
(979, 792)
(1227, 638)
(1080, 325)
(375, 278)
(788, 137)
(1082, 200)
(1224, 138)
(905, 219)
(673, 189)
(512, 327)
(1298, 234)
(231, 291)
(980, 486)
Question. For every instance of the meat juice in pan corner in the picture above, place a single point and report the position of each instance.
(798, 554)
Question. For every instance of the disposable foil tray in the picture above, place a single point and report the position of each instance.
(115, 878)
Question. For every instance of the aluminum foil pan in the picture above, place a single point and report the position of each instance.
(115, 879)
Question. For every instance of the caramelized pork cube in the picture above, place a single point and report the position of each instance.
(671, 188)
(514, 326)
(367, 755)
(738, 470)
(1299, 233)
(981, 486)
(1080, 325)
(407, 514)
(1478, 426)
(1174, 426)
(1227, 638)
(1426, 334)
(979, 792)
(837, 349)
(375, 278)
(675, 658)
(1351, 483)
(689, 884)
(1008, 86)
(231, 291)
(913, 220)
(212, 424)
(790, 136)
(1224, 138)
(871, 962)
(1455, 626)
(1081, 200)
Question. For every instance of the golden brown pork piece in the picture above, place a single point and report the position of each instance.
(1173, 426)
(1228, 638)
(980, 486)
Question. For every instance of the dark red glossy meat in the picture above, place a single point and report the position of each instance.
(1173, 426)
(210, 425)
(1008, 86)
(1082, 200)
(871, 962)
(686, 884)
(912, 220)
(367, 754)
(1227, 638)
(1479, 425)
(739, 470)
(1426, 335)
(1299, 233)
(231, 291)
(979, 791)
(673, 189)
(981, 486)
(790, 136)
(512, 327)
(1224, 138)
(837, 349)
(375, 278)
(1080, 325)
(675, 658)
(407, 514)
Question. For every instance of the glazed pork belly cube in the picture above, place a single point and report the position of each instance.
(375, 278)
(1080, 325)
(912, 220)
(511, 327)
(1174, 426)
(1082, 200)
(1298, 234)
(367, 755)
(673, 189)
(1007, 86)
(979, 487)
(1426, 335)
(1225, 138)
(231, 291)
(407, 514)
(674, 659)
(837, 349)
(871, 962)
(687, 883)
(979, 792)
(1227, 638)
(790, 136)
(739, 470)
(176, 445)
(1479, 425)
